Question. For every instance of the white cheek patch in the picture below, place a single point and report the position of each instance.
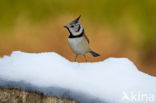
(76, 33)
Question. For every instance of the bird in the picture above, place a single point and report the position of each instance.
(77, 40)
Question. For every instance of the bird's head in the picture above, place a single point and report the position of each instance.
(74, 27)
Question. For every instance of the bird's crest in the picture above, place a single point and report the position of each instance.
(76, 20)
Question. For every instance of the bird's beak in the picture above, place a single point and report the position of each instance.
(65, 26)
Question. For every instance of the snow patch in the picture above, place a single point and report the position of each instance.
(108, 81)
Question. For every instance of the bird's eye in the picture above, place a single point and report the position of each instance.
(72, 26)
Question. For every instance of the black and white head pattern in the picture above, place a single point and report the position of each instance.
(74, 28)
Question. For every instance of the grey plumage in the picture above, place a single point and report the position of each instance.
(77, 39)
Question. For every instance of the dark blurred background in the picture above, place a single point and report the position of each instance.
(116, 28)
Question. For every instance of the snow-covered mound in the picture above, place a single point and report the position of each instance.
(114, 80)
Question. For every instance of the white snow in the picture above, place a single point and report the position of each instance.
(114, 80)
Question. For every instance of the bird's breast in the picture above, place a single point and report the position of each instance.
(78, 45)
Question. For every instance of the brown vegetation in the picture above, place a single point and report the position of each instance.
(18, 96)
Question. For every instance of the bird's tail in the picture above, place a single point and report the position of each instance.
(94, 53)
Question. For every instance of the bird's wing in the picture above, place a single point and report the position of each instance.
(86, 38)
